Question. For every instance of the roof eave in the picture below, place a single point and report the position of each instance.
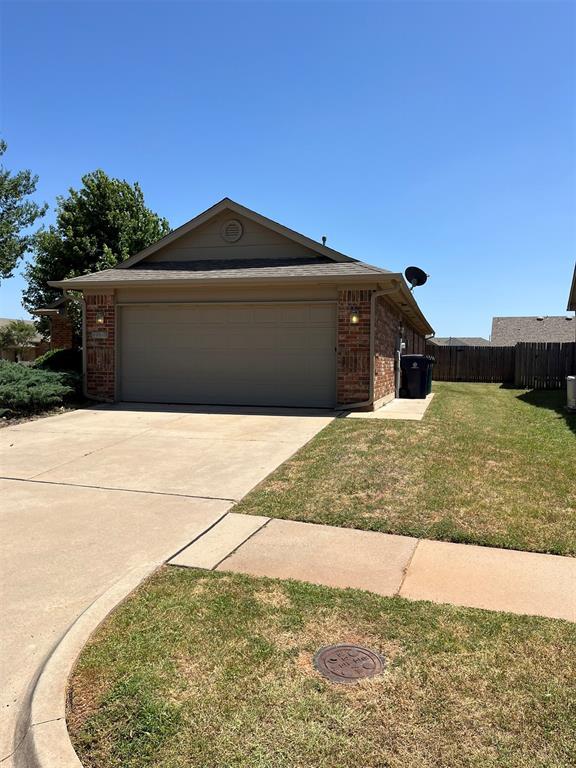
(72, 284)
(418, 316)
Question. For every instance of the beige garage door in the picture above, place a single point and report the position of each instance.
(237, 354)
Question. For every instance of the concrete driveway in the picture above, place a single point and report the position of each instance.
(88, 495)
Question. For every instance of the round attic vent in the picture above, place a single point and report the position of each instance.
(231, 230)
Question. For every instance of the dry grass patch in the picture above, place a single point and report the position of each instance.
(223, 678)
(487, 466)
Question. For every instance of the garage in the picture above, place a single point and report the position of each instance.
(265, 354)
(233, 308)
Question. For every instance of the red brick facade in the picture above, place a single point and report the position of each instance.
(354, 346)
(353, 367)
(101, 347)
(386, 339)
(61, 332)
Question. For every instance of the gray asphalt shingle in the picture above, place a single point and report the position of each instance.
(241, 269)
(507, 331)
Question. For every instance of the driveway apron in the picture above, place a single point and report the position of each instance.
(89, 495)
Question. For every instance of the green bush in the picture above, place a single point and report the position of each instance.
(60, 360)
(25, 389)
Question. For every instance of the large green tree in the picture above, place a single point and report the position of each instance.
(97, 226)
(17, 213)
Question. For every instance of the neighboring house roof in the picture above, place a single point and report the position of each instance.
(5, 320)
(572, 296)
(53, 308)
(460, 341)
(318, 264)
(507, 331)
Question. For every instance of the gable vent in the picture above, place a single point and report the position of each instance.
(231, 231)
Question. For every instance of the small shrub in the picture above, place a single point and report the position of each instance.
(26, 389)
(60, 360)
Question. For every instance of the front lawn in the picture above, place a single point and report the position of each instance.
(214, 670)
(487, 465)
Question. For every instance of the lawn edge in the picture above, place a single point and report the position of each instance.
(42, 737)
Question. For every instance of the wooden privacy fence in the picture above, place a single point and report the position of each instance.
(542, 365)
(489, 364)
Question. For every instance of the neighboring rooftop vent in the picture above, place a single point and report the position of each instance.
(231, 231)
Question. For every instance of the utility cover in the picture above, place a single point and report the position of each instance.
(348, 663)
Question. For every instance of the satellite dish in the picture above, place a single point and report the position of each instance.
(415, 276)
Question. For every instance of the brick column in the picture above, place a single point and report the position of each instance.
(61, 332)
(101, 347)
(353, 377)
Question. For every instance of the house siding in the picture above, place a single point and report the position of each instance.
(206, 243)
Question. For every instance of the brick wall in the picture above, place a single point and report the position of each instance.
(353, 376)
(100, 347)
(354, 346)
(385, 345)
(61, 332)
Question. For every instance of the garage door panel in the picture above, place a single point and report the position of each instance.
(267, 354)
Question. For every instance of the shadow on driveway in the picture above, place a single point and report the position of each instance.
(240, 410)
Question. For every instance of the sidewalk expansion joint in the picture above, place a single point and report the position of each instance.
(120, 490)
(407, 568)
(233, 551)
(196, 538)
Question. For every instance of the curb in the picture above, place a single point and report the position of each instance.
(45, 742)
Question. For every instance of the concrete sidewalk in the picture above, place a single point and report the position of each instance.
(401, 409)
(461, 574)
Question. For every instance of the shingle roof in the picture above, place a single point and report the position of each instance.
(510, 330)
(229, 270)
(460, 341)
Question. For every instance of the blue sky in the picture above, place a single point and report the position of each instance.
(440, 134)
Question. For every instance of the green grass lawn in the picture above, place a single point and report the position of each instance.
(487, 465)
(211, 670)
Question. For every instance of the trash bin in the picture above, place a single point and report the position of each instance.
(416, 376)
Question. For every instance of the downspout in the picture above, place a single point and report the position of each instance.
(84, 362)
(373, 299)
(397, 356)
